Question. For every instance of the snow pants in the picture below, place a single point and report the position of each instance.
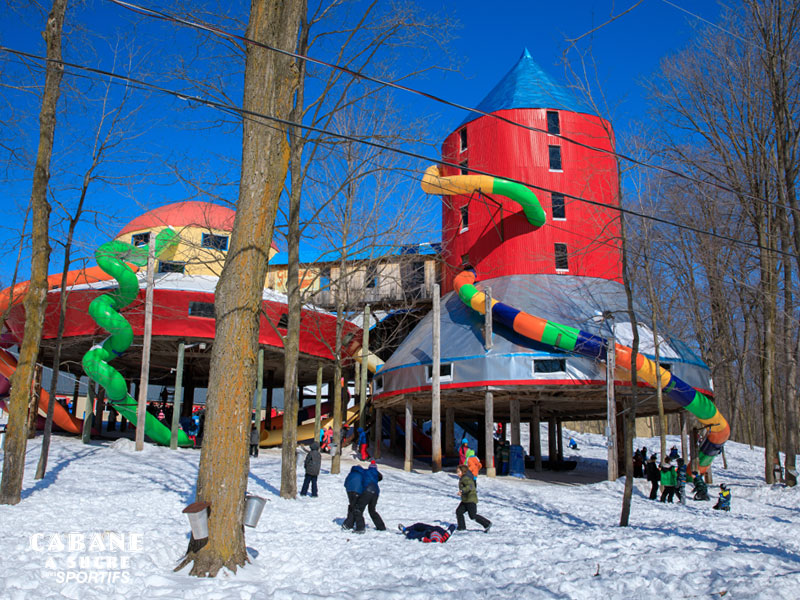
(472, 510)
(312, 479)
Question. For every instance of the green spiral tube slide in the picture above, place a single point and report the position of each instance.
(111, 258)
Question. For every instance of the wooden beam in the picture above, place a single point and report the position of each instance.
(409, 455)
(488, 432)
(436, 417)
(515, 422)
(536, 438)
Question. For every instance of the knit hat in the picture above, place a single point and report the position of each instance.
(373, 465)
(464, 442)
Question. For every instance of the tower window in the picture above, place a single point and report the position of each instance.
(555, 158)
(559, 208)
(462, 136)
(464, 261)
(562, 262)
(464, 219)
(464, 164)
(283, 322)
(553, 126)
(215, 242)
(140, 239)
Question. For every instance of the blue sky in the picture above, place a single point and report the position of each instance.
(490, 40)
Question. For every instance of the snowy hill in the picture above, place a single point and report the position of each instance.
(555, 539)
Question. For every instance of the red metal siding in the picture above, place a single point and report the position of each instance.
(171, 319)
(499, 240)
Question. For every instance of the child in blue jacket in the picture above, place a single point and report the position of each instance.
(724, 502)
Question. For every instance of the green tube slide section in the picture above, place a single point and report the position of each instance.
(531, 208)
(112, 258)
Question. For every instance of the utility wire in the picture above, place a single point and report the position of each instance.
(358, 74)
(255, 115)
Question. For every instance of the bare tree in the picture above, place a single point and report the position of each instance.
(270, 83)
(35, 301)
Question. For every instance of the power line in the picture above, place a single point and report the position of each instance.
(358, 74)
(230, 109)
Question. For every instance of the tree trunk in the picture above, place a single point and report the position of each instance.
(270, 83)
(291, 342)
(36, 300)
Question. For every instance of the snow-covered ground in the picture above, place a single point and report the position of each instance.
(548, 540)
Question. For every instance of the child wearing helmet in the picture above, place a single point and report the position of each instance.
(724, 502)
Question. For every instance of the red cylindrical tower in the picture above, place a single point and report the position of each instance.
(489, 232)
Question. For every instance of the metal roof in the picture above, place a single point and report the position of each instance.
(526, 85)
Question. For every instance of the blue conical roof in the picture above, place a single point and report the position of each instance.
(526, 85)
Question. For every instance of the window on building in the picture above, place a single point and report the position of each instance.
(202, 309)
(465, 261)
(215, 242)
(414, 275)
(550, 365)
(562, 261)
(140, 239)
(464, 219)
(464, 164)
(325, 278)
(283, 322)
(371, 277)
(555, 158)
(378, 384)
(559, 207)
(553, 125)
(445, 372)
(462, 136)
(169, 266)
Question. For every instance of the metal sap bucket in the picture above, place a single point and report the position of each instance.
(198, 519)
(253, 507)
(333, 449)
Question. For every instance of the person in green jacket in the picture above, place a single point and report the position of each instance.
(469, 500)
(669, 479)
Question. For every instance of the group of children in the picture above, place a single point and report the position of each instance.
(673, 481)
(363, 491)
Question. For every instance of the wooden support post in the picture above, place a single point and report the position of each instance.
(559, 440)
(684, 433)
(76, 388)
(436, 398)
(536, 438)
(176, 398)
(259, 399)
(378, 433)
(362, 389)
(488, 433)
(552, 445)
(393, 433)
(450, 431)
(515, 422)
(409, 454)
(694, 463)
(487, 319)
(144, 378)
(99, 409)
(270, 385)
(88, 417)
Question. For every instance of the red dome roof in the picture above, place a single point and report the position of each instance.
(191, 213)
(184, 214)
